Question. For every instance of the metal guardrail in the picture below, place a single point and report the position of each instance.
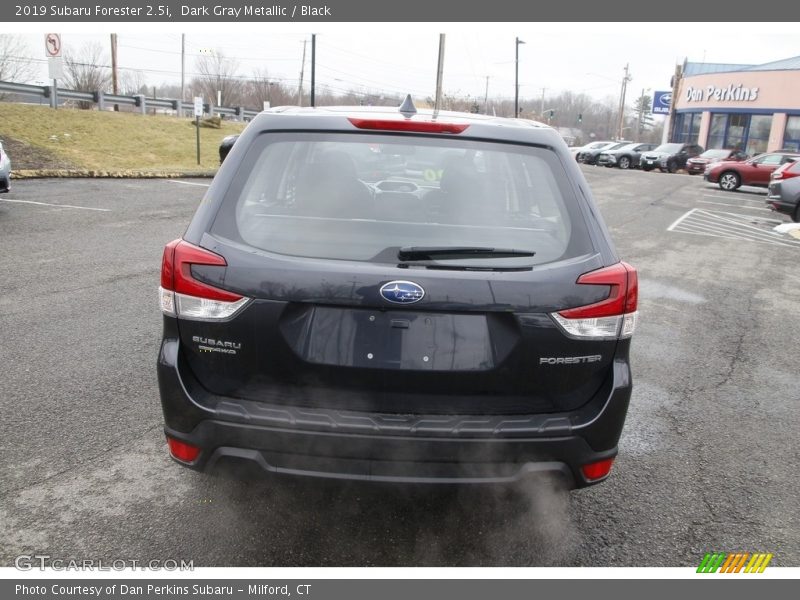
(103, 100)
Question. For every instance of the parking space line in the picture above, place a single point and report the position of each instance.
(680, 219)
(728, 225)
(735, 205)
(738, 197)
(188, 182)
(55, 205)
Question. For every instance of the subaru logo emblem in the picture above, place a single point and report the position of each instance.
(402, 292)
(665, 99)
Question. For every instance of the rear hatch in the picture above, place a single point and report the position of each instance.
(405, 274)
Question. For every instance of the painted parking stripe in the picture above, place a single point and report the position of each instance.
(188, 182)
(55, 205)
(737, 197)
(731, 226)
(735, 205)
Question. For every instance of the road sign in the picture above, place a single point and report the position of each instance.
(52, 45)
(198, 106)
(55, 67)
(662, 102)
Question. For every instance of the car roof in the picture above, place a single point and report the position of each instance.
(334, 118)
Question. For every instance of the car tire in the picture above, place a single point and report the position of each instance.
(729, 181)
(663, 170)
(672, 166)
(624, 162)
(647, 168)
(796, 213)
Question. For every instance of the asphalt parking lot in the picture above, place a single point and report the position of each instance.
(708, 460)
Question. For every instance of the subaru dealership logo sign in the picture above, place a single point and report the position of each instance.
(402, 292)
(661, 103)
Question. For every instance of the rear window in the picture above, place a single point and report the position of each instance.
(362, 197)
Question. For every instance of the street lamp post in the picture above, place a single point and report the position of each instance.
(516, 77)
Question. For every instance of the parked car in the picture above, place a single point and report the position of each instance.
(783, 196)
(575, 150)
(787, 170)
(448, 323)
(589, 156)
(5, 170)
(225, 146)
(670, 157)
(755, 171)
(698, 164)
(626, 157)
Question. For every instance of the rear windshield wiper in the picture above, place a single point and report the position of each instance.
(456, 252)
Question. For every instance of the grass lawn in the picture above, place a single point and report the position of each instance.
(95, 140)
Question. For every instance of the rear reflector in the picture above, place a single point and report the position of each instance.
(597, 470)
(184, 296)
(182, 451)
(409, 125)
(614, 317)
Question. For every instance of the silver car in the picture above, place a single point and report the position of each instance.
(5, 170)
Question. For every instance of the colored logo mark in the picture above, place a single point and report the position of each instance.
(743, 562)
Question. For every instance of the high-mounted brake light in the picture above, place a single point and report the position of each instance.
(613, 317)
(408, 125)
(184, 296)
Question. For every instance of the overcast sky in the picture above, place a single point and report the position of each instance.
(396, 57)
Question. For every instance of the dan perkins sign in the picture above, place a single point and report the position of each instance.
(735, 93)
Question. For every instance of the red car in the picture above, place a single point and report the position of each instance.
(698, 164)
(729, 175)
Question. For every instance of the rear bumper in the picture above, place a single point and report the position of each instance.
(778, 204)
(388, 447)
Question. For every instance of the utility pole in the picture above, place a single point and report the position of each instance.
(302, 71)
(622, 91)
(516, 77)
(641, 114)
(313, 66)
(486, 98)
(541, 112)
(437, 105)
(183, 71)
(114, 88)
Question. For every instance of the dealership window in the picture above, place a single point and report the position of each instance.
(791, 136)
(737, 131)
(716, 133)
(758, 134)
(744, 132)
(687, 128)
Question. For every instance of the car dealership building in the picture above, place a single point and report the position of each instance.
(752, 107)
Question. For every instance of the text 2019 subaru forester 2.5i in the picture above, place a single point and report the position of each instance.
(397, 296)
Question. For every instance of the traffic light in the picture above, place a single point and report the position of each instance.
(552, 113)
(580, 117)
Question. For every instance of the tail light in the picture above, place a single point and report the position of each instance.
(182, 451)
(188, 298)
(597, 470)
(612, 318)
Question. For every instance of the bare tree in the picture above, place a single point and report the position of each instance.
(217, 73)
(264, 88)
(132, 82)
(15, 62)
(87, 71)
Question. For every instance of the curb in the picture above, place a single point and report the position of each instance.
(91, 173)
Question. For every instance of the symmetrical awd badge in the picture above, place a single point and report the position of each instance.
(402, 292)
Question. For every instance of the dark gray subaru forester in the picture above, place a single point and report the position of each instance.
(397, 296)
